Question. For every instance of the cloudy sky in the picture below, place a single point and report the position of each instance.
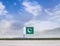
(43, 15)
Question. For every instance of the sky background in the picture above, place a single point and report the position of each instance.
(43, 15)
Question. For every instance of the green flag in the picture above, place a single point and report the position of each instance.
(29, 30)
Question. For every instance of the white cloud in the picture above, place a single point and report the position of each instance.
(57, 7)
(48, 12)
(4, 27)
(32, 7)
(42, 25)
(51, 22)
(41, 29)
(6, 24)
(55, 14)
(35, 9)
(6, 30)
(2, 9)
(39, 25)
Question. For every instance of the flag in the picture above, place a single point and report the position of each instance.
(29, 30)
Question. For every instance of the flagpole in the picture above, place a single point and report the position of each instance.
(24, 32)
(23, 35)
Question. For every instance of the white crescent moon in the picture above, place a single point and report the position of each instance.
(29, 31)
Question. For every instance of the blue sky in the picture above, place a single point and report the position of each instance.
(11, 7)
(16, 14)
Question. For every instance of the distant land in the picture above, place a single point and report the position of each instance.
(29, 38)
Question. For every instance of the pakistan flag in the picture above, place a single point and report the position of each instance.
(29, 30)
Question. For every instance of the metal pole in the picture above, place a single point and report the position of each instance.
(23, 35)
(24, 32)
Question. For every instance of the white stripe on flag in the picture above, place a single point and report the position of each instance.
(24, 30)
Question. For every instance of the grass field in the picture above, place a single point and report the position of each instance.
(29, 38)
